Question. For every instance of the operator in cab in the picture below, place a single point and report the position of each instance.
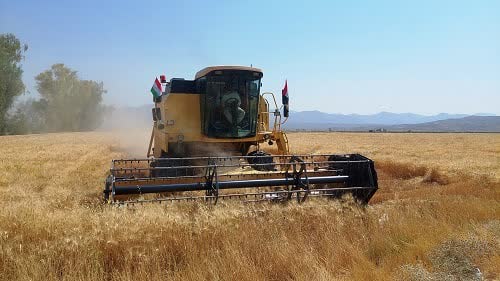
(231, 102)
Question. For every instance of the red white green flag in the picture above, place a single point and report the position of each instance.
(156, 89)
(284, 99)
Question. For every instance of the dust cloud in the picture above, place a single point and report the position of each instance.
(131, 128)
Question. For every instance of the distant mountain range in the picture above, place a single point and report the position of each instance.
(140, 117)
(466, 124)
(382, 118)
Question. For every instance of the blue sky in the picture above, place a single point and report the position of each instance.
(338, 56)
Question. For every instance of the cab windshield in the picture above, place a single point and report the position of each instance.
(229, 103)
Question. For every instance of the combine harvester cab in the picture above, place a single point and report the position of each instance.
(205, 145)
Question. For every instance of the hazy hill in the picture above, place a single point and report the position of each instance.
(466, 124)
(382, 118)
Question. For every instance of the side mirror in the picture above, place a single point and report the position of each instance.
(286, 110)
(156, 114)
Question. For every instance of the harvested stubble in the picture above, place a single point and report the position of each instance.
(439, 199)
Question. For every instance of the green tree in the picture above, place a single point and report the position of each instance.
(71, 104)
(11, 84)
(28, 117)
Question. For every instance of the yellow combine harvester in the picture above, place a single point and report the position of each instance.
(206, 144)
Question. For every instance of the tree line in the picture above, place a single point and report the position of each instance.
(65, 102)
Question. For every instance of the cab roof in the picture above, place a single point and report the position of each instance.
(209, 69)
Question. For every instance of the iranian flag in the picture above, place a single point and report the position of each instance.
(284, 99)
(156, 89)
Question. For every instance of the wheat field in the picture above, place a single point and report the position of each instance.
(436, 216)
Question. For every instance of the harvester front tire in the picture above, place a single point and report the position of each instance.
(263, 158)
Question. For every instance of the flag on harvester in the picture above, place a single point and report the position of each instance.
(284, 99)
(156, 89)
